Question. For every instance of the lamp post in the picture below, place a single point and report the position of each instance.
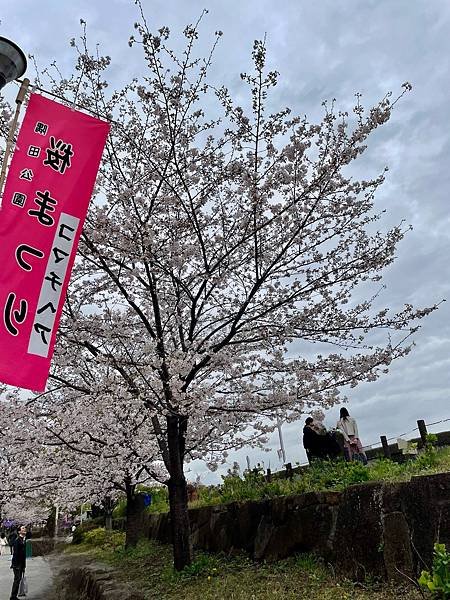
(280, 435)
(13, 62)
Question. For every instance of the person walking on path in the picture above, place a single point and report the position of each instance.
(11, 539)
(352, 444)
(18, 561)
(3, 543)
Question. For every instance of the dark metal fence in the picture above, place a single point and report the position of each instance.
(387, 449)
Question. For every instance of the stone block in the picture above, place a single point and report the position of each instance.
(397, 553)
(359, 534)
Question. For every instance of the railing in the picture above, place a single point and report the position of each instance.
(388, 450)
(420, 424)
(385, 450)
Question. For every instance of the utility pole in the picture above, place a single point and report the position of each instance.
(280, 435)
(55, 533)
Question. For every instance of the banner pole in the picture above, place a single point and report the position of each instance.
(12, 130)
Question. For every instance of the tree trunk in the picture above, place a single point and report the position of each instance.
(135, 513)
(178, 498)
(49, 528)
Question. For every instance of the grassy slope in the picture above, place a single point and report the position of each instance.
(216, 577)
(318, 477)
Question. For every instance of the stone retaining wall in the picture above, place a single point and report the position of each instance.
(379, 529)
(92, 582)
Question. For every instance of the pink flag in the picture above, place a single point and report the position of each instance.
(44, 205)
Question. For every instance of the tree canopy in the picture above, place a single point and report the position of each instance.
(223, 269)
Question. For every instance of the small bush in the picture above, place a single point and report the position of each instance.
(438, 581)
(146, 552)
(311, 565)
(204, 565)
(101, 538)
(427, 460)
(96, 537)
(81, 530)
(385, 470)
(432, 439)
(159, 501)
(335, 475)
(120, 509)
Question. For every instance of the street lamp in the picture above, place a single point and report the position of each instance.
(13, 62)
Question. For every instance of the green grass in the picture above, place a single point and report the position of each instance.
(218, 577)
(322, 476)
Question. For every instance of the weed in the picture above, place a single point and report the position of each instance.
(438, 581)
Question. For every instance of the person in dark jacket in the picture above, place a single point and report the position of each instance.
(312, 441)
(18, 561)
(318, 445)
(11, 539)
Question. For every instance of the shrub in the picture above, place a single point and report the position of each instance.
(96, 537)
(438, 581)
(146, 550)
(120, 509)
(428, 459)
(203, 565)
(160, 501)
(81, 530)
(249, 487)
(432, 439)
(336, 474)
(385, 470)
(101, 538)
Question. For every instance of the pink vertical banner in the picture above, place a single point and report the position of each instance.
(45, 201)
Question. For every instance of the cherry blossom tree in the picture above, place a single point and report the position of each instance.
(27, 472)
(66, 448)
(224, 261)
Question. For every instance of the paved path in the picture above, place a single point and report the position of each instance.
(39, 576)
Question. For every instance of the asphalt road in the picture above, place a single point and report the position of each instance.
(39, 576)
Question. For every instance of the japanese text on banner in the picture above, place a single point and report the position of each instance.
(46, 196)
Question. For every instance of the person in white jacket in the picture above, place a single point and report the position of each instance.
(352, 444)
(3, 544)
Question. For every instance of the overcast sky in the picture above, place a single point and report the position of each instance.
(324, 49)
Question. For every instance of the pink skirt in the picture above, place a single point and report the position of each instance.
(355, 450)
